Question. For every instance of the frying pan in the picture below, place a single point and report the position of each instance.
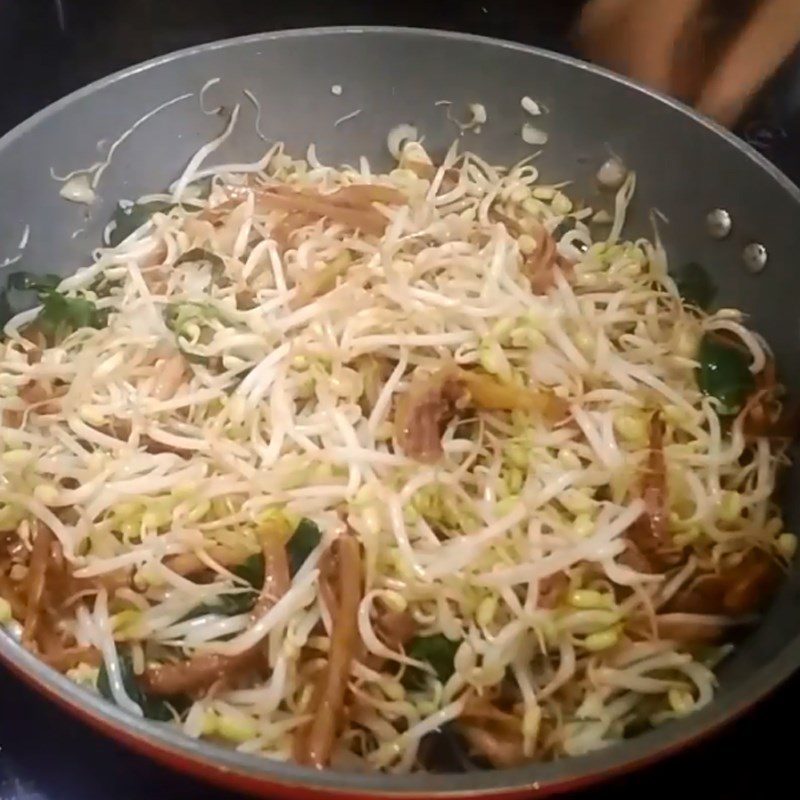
(686, 166)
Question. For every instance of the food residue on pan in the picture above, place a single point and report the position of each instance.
(533, 135)
(346, 118)
(477, 116)
(78, 189)
(82, 183)
(531, 106)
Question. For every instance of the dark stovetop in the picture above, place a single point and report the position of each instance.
(50, 47)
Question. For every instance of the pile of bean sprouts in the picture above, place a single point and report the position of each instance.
(251, 375)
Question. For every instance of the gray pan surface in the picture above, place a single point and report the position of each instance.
(686, 166)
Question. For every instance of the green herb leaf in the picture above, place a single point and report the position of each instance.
(153, 707)
(20, 286)
(251, 570)
(305, 539)
(724, 373)
(131, 218)
(438, 651)
(233, 603)
(61, 314)
(695, 285)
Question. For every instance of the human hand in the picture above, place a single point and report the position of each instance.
(714, 54)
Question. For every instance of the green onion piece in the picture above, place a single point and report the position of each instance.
(61, 314)
(251, 570)
(438, 651)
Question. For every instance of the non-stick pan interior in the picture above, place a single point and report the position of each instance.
(685, 169)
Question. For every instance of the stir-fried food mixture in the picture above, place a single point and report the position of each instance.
(376, 471)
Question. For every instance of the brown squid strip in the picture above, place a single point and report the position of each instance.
(654, 485)
(650, 543)
(423, 412)
(276, 577)
(539, 267)
(734, 591)
(314, 742)
(350, 206)
(65, 658)
(201, 671)
(765, 414)
(194, 674)
(42, 599)
(282, 232)
(359, 195)
(366, 219)
(36, 580)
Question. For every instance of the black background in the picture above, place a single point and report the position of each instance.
(50, 47)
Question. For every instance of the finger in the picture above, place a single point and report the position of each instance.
(601, 13)
(637, 38)
(600, 32)
(766, 41)
(656, 31)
